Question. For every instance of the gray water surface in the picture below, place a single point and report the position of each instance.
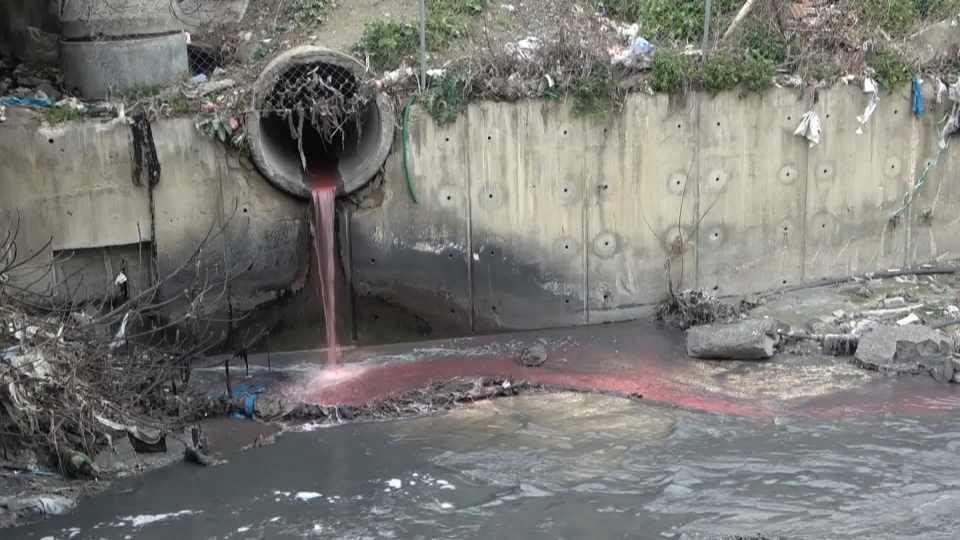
(557, 466)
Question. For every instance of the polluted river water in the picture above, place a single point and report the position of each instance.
(798, 448)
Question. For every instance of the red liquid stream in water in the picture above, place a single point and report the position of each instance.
(322, 180)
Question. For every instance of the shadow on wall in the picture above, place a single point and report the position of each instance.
(29, 31)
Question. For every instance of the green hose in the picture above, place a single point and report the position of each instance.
(406, 135)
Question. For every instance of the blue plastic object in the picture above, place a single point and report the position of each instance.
(917, 98)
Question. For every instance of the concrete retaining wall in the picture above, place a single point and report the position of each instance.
(528, 216)
(531, 217)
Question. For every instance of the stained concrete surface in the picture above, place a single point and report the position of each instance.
(527, 216)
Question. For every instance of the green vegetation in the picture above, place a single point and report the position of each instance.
(721, 72)
(179, 105)
(671, 72)
(446, 97)
(594, 94)
(900, 17)
(891, 69)
(674, 20)
(59, 115)
(760, 41)
(142, 92)
(259, 53)
(309, 12)
(388, 43)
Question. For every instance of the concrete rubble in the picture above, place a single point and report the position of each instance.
(910, 349)
(751, 339)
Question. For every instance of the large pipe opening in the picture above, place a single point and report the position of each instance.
(311, 108)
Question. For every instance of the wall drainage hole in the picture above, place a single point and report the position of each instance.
(449, 198)
(678, 182)
(493, 308)
(453, 311)
(446, 139)
(489, 137)
(679, 126)
(450, 256)
(50, 141)
(606, 296)
(244, 210)
(489, 195)
(718, 124)
(492, 252)
(896, 111)
(783, 282)
(716, 235)
(785, 228)
(788, 174)
(828, 115)
(606, 243)
(566, 246)
(376, 317)
(373, 261)
(605, 187)
(717, 179)
(789, 118)
(716, 287)
(564, 132)
(566, 300)
(826, 171)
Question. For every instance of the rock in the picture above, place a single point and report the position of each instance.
(533, 356)
(895, 302)
(39, 505)
(944, 371)
(79, 465)
(193, 455)
(751, 339)
(903, 349)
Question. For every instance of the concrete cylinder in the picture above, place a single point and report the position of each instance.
(112, 47)
(99, 69)
(363, 148)
(97, 19)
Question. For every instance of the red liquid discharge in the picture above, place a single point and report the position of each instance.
(322, 179)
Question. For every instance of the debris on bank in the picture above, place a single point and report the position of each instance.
(695, 307)
(436, 397)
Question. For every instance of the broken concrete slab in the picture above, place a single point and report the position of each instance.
(908, 349)
(751, 339)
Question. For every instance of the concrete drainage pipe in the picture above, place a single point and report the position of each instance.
(359, 150)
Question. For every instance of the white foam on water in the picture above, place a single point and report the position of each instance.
(307, 495)
(149, 519)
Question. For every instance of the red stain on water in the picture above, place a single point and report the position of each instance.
(322, 180)
(356, 385)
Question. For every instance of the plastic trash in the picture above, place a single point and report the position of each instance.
(198, 79)
(525, 49)
(3, 113)
(37, 102)
(869, 87)
(810, 128)
(917, 97)
(638, 54)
